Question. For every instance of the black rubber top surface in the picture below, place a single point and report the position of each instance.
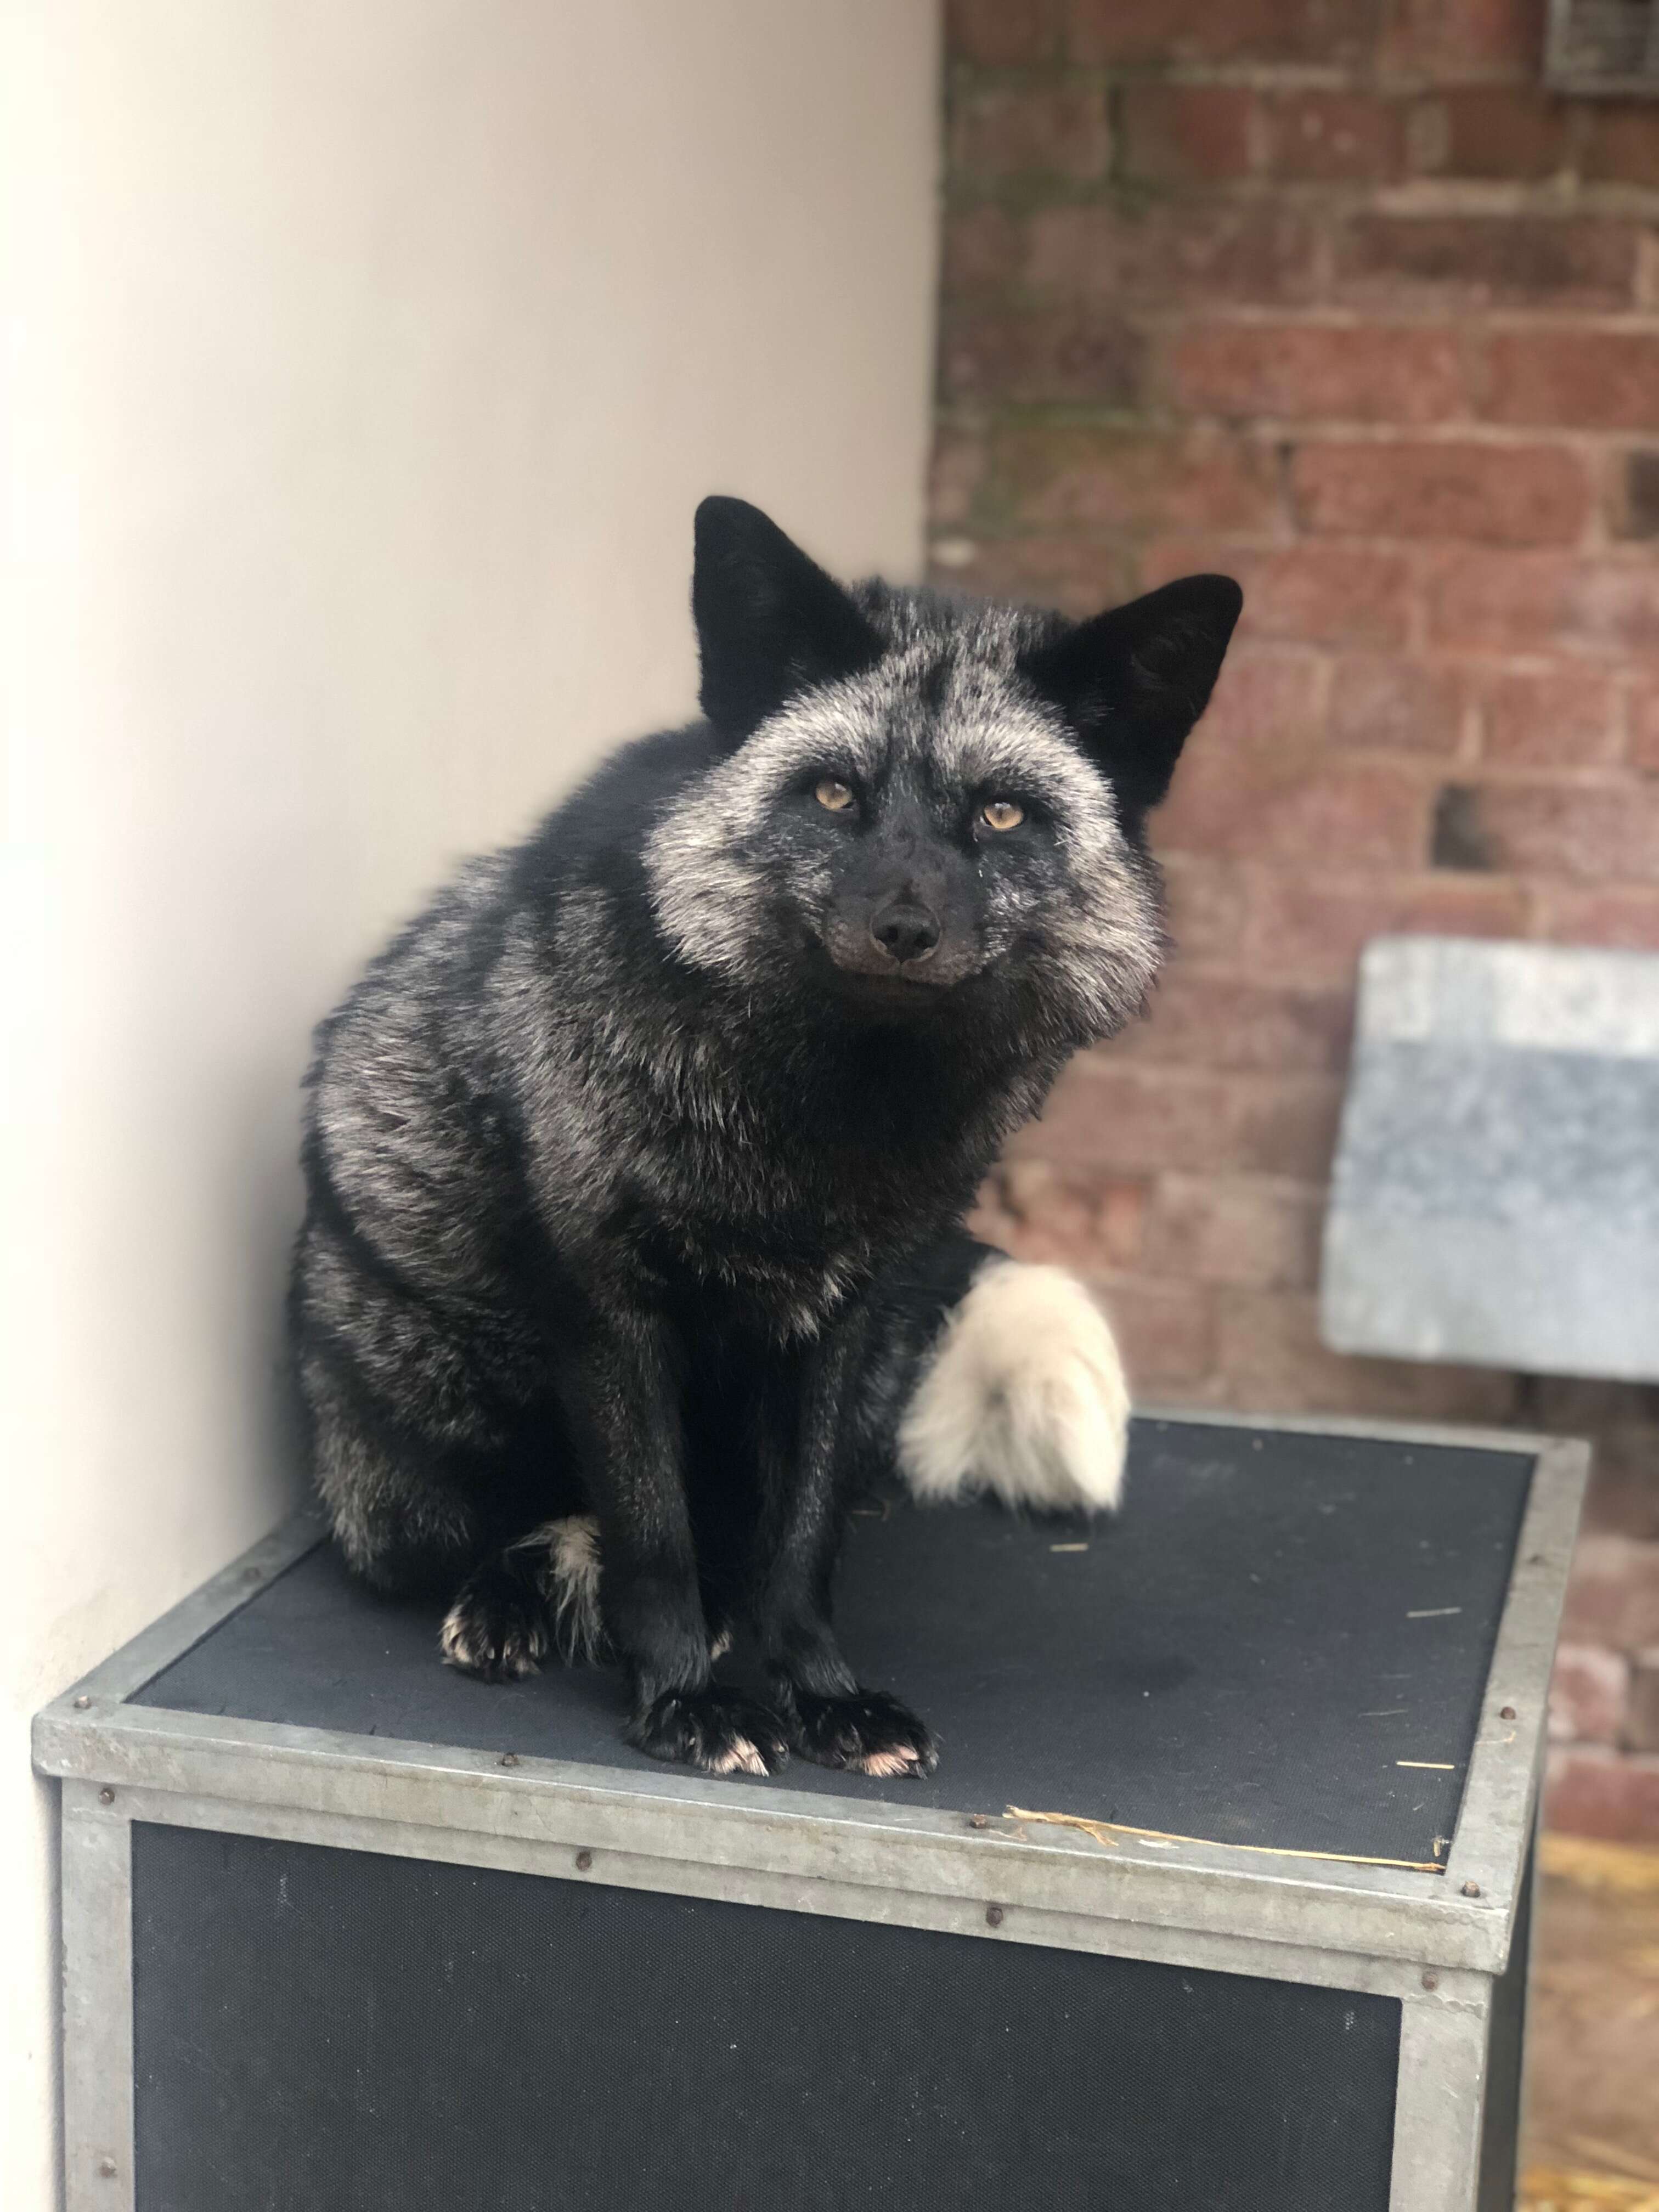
(1282, 1641)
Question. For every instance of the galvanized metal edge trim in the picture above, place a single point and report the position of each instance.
(1495, 1822)
(90, 1733)
(763, 1829)
(1439, 2098)
(987, 1916)
(97, 1966)
(126, 1671)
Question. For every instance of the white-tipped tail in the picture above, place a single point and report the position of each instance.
(1023, 1396)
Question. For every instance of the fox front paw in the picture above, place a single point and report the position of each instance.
(497, 1628)
(868, 1733)
(718, 1730)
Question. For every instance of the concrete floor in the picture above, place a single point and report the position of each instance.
(1592, 2135)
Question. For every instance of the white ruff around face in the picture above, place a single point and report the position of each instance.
(1025, 1397)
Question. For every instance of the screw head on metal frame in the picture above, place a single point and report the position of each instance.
(107, 1795)
(1471, 1889)
(80, 1703)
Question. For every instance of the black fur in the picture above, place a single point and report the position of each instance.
(633, 1163)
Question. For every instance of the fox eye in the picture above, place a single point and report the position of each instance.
(1001, 814)
(834, 794)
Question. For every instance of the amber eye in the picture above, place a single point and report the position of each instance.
(1001, 814)
(837, 796)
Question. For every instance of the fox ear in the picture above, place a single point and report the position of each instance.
(1132, 683)
(769, 622)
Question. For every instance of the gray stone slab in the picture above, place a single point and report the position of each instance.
(1496, 1194)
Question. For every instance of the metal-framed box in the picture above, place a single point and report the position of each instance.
(1219, 1897)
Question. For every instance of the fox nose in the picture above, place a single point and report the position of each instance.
(905, 928)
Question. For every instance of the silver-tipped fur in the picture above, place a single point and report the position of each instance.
(1023, 1396)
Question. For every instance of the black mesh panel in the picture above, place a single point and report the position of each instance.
(330, 2031)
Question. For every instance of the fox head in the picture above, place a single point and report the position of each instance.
(921, 803)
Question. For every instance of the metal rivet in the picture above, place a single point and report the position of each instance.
(1506, 1712)
(584, 1860)
(1431, 1981)
(80, 1703)
(993, 1916)
(106, 1796)
(979, 1820)
(1471, 1889)
(508, 1759)
(107, 2168)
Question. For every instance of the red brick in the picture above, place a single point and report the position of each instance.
(1315, 929)
(1395, 705)
(1502, 130)
(1173, 251)
(1269, 699)
(1612, 1597)
(1582, 1406)
(981, 246)
(1001, 32)
(1177, 133)
(1623, 1498)
(1596, 1792)
(1272, 802)
(1614, 607)
(1586, 832)
(1250, 1233)
(1166, 1331)
(1626, 919)
(1131, 1120)
(1644, 729)
(1211, 1021)
(1284, 1125)
(1305, 594)
(1587, 380)
(1064, 475)
(1590, 1694)
(1206, 901)
(1563, 718)
(1452, 39)
(1529, 602)
(1334, 136)
(1091, 1222)
(958, 469)
(1642, 1721)
(1498, 494)
(1633, 501)
(1077, 352)
(1448, 261)
(1324, 31)
(1078, 575)
(1272, 1359)
(1621, 143)
(1128, 1120)
(1011, 130)
(1374, 375)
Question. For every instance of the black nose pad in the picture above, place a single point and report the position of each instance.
(905, 928)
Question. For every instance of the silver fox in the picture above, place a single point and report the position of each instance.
(636, 1165)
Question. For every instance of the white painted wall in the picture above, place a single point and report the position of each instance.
(365, 362)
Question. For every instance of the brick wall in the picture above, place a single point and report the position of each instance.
(1329, 295)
